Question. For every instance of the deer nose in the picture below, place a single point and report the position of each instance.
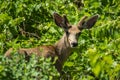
(74, 44)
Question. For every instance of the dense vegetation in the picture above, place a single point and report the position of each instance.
(29, 23)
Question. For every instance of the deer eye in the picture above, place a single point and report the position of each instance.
(67, 33)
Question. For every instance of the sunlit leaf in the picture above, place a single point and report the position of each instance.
(69, 64)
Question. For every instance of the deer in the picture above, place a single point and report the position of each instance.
(63, 48)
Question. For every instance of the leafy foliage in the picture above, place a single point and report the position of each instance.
(28, 23)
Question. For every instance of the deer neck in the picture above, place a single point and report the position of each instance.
(63, 48)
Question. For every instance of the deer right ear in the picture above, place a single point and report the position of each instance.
(61, 21)
(58, 19)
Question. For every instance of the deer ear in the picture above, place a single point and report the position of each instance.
(90, 22)
(61, 21)
(81, 22)
(87, 24)
(58, 19)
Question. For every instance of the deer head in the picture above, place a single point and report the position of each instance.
(73, 31)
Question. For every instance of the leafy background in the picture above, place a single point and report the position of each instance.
(29, 23)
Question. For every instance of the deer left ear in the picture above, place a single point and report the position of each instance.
(90, 22)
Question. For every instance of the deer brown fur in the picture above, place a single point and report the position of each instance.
(64, 47)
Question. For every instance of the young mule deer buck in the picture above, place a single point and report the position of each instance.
(64, 47)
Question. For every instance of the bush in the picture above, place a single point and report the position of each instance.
(17, 68)
(28, 23)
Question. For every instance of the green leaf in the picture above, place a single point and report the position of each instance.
(69, 64)
(1, 68)
(96, 70)
(17, 21)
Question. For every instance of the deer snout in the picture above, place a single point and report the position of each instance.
(74, 44)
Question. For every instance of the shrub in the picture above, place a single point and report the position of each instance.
(28, 23)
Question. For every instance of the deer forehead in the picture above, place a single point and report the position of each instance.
(74, 29)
